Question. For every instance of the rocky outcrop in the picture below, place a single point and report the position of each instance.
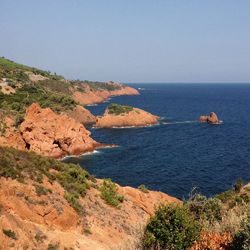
(134, 118)
(51, 134)
(5, 88)
(9, 135)
(212, 118)
(82, 115)
(90, 96)
(38, 221)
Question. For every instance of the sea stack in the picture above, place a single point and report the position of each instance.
(125, 116)
(212, 118)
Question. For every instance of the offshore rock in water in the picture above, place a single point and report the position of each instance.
(212, 118)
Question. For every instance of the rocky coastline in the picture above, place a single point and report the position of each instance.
(133, 117)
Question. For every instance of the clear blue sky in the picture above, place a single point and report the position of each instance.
(130, 40)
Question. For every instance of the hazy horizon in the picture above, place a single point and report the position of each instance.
(131, 41)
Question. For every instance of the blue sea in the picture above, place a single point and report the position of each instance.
(179, 154)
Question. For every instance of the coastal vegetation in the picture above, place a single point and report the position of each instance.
(172, 227)
(117, 109)
(10, 233)
(16, 72)
(109, 193)
(29, 85)
(29, 94)
(227, 213)
(24, 166)
(143, 188)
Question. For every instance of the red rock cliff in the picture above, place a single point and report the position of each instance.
(50, 134)
(91, 97)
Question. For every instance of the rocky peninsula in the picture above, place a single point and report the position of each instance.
(93, 94)
(125, 116)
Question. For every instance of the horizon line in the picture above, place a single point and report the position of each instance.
(184, 82)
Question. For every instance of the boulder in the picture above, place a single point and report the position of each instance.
(212, 118)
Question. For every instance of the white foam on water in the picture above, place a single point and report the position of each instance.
(180, 122)
(108, 100)
(87, 153)
(91, 105)
(91, 153)
(145, 126)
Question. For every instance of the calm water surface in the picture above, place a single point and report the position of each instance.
(179, 153)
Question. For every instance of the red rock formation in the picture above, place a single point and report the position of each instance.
(212, 118)
(50, 134)
(136, 118)
(91, 97)
(82, 115)
(11, 136)
(38, 221)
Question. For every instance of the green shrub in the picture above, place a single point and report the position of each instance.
(3, 127)
(74, 179)
(40, 190)
(18, 120)
(205, 209)
(238, 185)
(226, 196)
(171, 228)
(72, 199)
(241, 240)
(52, 246)
(21, 165)
(143, 188)
(10, 233)
(108, 191)
(40, 236)
(118, 109)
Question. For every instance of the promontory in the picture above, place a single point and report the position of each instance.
(117, 115)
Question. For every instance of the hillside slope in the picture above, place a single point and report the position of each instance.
(56, 128)
(46, 203)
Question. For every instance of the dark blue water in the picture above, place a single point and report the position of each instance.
(180, 153)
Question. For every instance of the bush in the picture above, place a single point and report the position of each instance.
(171, 228)
(143, 188)
(205, 209)
(52, 246)
(109, 193)
(18, 120)
(40, 190)
(118, 109)
(10, 233)
(72, 199)
(241, 240)
(238, 185)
